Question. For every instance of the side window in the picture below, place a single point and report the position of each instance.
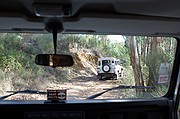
(99, 63)
(106, 62)
(112, 61)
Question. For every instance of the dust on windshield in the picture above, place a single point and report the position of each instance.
(138, 66)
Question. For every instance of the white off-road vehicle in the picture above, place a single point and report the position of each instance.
(109, 67)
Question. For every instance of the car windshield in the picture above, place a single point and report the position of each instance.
(106, 62)
(144, 68)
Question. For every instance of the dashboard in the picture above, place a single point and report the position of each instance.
(87, 109)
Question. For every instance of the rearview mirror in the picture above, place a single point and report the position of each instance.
(54, 60)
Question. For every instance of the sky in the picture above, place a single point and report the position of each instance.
(116, 38)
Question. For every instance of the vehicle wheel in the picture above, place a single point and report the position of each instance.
(115, 77)
(100, 78)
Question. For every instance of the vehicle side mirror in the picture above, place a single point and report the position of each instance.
(54, 60)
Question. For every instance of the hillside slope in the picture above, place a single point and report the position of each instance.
(85, 61)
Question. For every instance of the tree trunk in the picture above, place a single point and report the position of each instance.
(135, 63)
(155, 41)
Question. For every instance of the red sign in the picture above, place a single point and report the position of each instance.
(163, 78)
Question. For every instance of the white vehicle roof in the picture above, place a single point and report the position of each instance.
(108, 58)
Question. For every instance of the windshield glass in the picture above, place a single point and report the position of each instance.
(106, 62)
(143, 69)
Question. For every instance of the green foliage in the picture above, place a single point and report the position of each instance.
(160, 91)
(14, 56)
(43, 43)
(9, 53)
(154, 60)
(10, 61)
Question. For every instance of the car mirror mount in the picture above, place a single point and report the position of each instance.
(54, 28)
(54, 60)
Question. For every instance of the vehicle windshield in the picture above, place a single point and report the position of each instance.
(106, 62)
(143, 70)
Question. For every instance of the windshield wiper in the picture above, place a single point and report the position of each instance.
(118, 87)
(23, 91)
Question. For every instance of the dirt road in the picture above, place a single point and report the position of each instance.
(78, 88)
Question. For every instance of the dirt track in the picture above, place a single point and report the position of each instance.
(77, 89)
